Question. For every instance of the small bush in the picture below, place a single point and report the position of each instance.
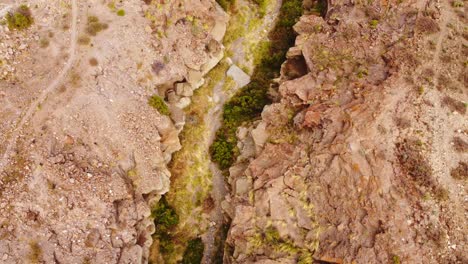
(414, 163)
(21, 19)
(248, 102)
(460, 172)
(44, 42)
(158, 103)
(93, 19)
(222, 152)
(374, 23)
(84, 40)
(194, 252)
(35, 255)
(262, 6)
(94, 26)
(165, 219)
(121, 12)
(272, 236)
(291, 11)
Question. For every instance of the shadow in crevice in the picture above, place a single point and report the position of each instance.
(319, 7)
(294, 67)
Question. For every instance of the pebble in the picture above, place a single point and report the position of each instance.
(5, 257)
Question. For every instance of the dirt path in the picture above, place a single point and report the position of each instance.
(43, 96)
(442, 125)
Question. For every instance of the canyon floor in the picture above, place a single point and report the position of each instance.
(194, 131)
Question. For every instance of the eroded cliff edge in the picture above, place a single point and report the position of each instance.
(84, 155)
(362, 156)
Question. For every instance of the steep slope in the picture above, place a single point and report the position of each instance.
(353, 160)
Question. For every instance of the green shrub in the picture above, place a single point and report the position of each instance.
(248, 102)
(320, 7)
(165, 219)
(194, 252)
(373, 23)
(21, 19)
(291, 11)
(164, 216)
(396, 259)
(262, 6)
(158, 103)
(121, 12)
(272, 235)
(222, 151)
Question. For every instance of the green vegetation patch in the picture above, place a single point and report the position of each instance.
(374, 23)
(262, 6)
(248, 102)
(194, 252)
(121, 12)
(20, 19)
(165, 220)
(158, 103)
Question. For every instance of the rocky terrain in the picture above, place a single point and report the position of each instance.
(362, 156)
(83, 155)
(180, 131)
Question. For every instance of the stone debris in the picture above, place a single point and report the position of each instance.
(92, 159)
(238, 75)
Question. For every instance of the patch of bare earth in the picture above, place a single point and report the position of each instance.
(84, 155)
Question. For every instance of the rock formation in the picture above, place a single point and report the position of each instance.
(352, 162)
(85, 155)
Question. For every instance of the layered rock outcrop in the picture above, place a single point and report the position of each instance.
(352, 162)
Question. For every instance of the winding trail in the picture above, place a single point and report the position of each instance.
(11, 143)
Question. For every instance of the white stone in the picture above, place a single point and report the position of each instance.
(239, 76)
(183, 102)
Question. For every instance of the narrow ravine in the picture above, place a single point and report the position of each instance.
(222, 92)
(198, 184)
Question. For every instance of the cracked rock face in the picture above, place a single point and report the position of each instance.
(361, 172)
(86, 166)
